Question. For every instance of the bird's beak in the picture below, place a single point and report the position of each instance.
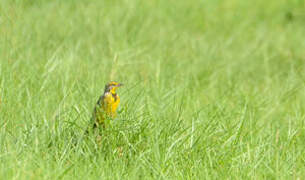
(119, 85)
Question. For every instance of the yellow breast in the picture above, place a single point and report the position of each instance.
(110, 104)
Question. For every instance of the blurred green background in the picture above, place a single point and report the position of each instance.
(213, 88)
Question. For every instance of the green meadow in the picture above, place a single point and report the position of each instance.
(213, 89)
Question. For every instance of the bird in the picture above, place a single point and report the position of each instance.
(106, 106)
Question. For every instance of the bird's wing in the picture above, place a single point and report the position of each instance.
(107, 99)
(97, 108)
(100, 100)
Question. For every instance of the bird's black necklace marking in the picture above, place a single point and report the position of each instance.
(114, 96)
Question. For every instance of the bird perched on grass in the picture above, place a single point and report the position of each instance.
(105, 108)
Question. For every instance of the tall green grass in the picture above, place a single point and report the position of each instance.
(213, 89)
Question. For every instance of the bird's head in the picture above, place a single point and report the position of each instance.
(112, 87)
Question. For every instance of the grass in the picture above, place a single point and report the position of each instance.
(213, 89)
